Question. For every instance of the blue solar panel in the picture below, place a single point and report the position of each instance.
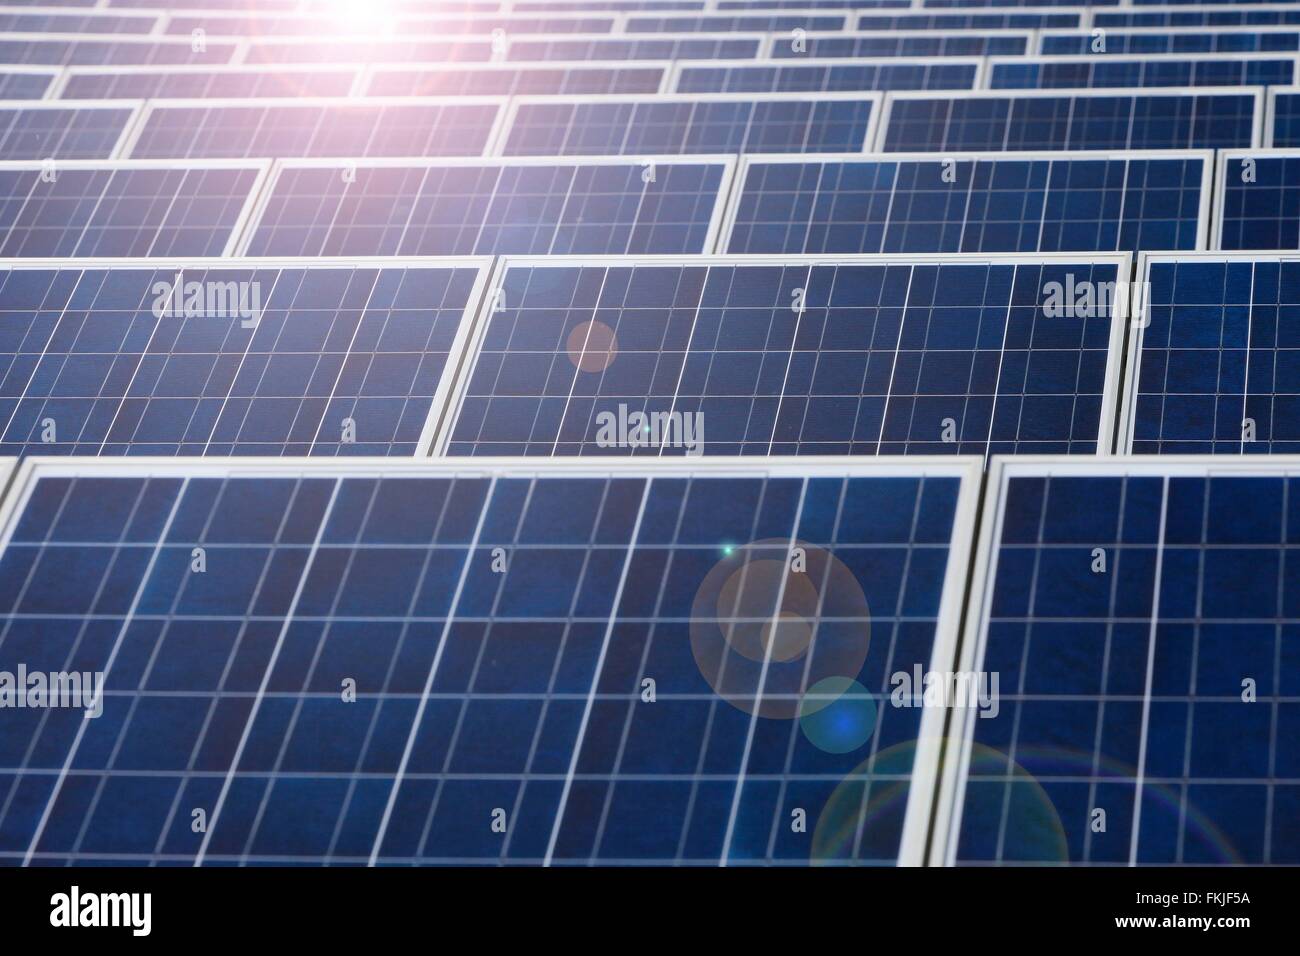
(83, 50)
(192, 82)
(920, 122)
(501, 79)
(992, 203)
(1122, 689)
(999, 20)
(245, 24)
(221, 357)
(772, 22)
(902, 43)
(1091, 72)
(375, 50)
(1214, 365)
(646, 47)
(1181, 40)
(717, 123)
(493, 208)
(1257, 200)
(500, 627)
(1284, 118)
(23, 84)
(1265, 16)
(829, 76)
(235, 129)
(40, 21)
(123, 210)
(891, 355)
(68, 130)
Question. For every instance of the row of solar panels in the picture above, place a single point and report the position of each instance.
(410, 127)
(568, 664)
(825, 204)
(908, 354)
(648, 76)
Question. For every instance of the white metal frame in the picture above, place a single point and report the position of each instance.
(968, 470)
(798, 63)
(523, 66)
(869, 135)
(727, 161)
(1117, 58)
(343, 102)
(261, 168)
(1257, 92)
(455, 355)
(749, 160)
(1114, 353)
(66, 74)
(953, 779)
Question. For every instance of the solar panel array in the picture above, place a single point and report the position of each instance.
(915, 340)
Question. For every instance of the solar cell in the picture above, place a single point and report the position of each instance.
(189, 82)
(901, 43)
(500, 624)
(69, 129)
(1172, 40)
(71, 49)
(1210, 117)
(681, 123)
(493, 207)
(992, 202)
(25, 83)
(1256, 196)
(125, 209)
(1213, 357)
(341, 126)
(794, 355)
(227, 356)
(829, 75)
(1122, 688)
(510, 79)
(1092, 72)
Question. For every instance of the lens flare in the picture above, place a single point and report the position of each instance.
(837, 715)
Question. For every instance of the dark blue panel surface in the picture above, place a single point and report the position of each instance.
(492, 209)
(1218, 359)
(121, 212)
(1286, 118)
(1096, 73)
(739, 23)
(1123, 691)
(645, 47)
(646, 127)
(914, 44)
(1175, 41)
(748, 359)
(986, 205)
(1103, 121)
(1000, 20)
(247, 360)
(829, 77)
(514, 695)
(1259, 202)
(337, 127)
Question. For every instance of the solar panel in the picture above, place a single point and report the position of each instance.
(1283, 125)
(1081, 119)
(516, 695)
(827, 76)
(345, 127)
(227, 356)
(73, 49)
(754, 22)
(1092, 72)
(681, 123)
(385, 49)
(21, 20)
(901, 43)
(1172, 40)
(381, 20)
(124, 209)
(992, 202)
(1021, 19)
(65, 130)
(804, 355)
(1212, 358)
(1256, 197)
(493, 207)
(191, 82)
(1122, 688)
(718, 46)
(1209, 15)
(30, 83)
(509, 79)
